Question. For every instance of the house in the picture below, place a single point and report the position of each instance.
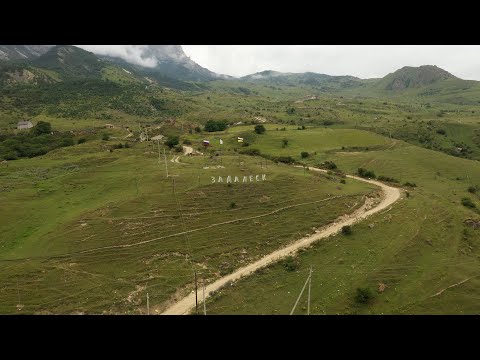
(24, 125)
(109, 126)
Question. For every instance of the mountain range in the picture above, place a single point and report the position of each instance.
(175, 69)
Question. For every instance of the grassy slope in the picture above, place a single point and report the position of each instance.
(81, 198)
(417, 248)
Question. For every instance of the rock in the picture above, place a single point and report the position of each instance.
(381, 287)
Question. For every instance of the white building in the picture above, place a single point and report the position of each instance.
(24, 125)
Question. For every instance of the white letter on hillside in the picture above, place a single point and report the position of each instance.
(213, 180)
(257, 177)
(245, 179)
(220, 180)
(229, 179)
(264, 177)
(251, 178)
(236, 179)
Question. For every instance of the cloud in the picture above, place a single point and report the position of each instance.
(364, 61)
(134, 54)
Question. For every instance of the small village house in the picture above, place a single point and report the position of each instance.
(24, 125)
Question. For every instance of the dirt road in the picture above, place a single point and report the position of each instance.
(390, 195)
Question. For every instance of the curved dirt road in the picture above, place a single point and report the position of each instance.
(390, 195)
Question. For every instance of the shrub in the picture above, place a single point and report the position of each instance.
(343, 181)
(172, 141)
(197, 129)
(284, 143)
(232, 205)
(187, 142)
(82, 140)
(472, 189)
(304, 154)
(364, 295)
(291, 263)
(441, 132)
(329, 165)
(105, 137)
(366, 173)
(328, 122)
(285, 159)
(388, 179)
(127, 145)
(251, 152)
(346, 230)
(178, 148)
(468, 203)
(260, 129)
(411, 184)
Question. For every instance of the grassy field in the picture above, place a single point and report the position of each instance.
(91, 231)
(418, 248)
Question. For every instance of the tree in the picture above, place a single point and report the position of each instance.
(197, 129)
(105, 137)
(41, 128)
(82, 140)
(284, 143)
(212, 125)
(304, 154)
(260, 129)
(172, 141)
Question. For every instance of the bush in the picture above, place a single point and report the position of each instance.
(197, 129)
(472, 189)
(127, 145)
(346, 230)
(328, 122)
(251, 152)
(105, 137)
(388, 179)
(343, 181)
(178, 148)
(82, 140)
(441, 132)
(232, 205)
(284, 143)
(304, 154)
(468, 203)
(285, 159)
(260, 129)
(329, 165)
(364, 295)
(291, 263)
(366, 173)
(410, 184)
(187, 142)
(172, 141)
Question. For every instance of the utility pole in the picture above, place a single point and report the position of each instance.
(18, 293)
(148, 305)
(204, 305)
(158, 143)
(309, 288)
(165, 158)
(299, 296)
(173, 182)
(196, 298)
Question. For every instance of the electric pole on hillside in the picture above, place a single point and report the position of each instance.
(165, 158)
(196, 298)
(158, 143)
(148, 305)
(204, 305)
(309, 288)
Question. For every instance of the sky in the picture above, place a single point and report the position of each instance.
(363, 61)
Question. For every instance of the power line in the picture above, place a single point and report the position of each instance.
(301, 292)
